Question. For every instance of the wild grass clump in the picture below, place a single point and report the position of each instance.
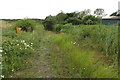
(77, 63)
(102, 38)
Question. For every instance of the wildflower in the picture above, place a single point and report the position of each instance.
(1, 50)
(23, 40)
(28, 46)
(0, 62)
(17, 44)
(2, 76)
(74, 43)
(31, 43)
(25, 44)
(12, 70)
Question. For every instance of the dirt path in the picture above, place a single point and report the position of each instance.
(39, 66)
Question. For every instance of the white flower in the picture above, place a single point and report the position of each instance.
(28, 46)
(31, 43)
(1, 50)
(0, 62)
(17, 44)
(2, 76)
(23, 40)
(74, 43)
(12, 70)
(25, 44)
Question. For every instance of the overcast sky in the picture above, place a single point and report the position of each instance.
(17, 9)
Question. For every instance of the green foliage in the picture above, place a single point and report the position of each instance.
(49, 23)
(74, 20)
(26, 24)
(102, 38)
(63, 28)
(13, 53)
(17, 48)
(61, 17)
(73, 62)
(9, 32)
(90, 20)
(99, 12)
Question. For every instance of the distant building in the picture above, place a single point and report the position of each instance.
(112, 20)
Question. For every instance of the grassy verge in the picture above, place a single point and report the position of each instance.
(73, 62)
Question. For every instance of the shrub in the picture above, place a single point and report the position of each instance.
(74, 20)
(25, 24)
(49, 23)
(90, 20)
(63, 28)
(13, 54)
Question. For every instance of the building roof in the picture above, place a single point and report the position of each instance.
(111, 17)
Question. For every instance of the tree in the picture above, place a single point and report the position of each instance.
(99, 12)
(84, 13)
(60, 17)
(49, 23)
(90, 20)
(74, 20)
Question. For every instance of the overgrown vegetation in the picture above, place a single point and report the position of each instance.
(27, 25)
(73, 46)
(17, 48)
(75, 18)
(73, 62)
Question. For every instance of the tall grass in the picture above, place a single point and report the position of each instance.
(102, 38)
(77, 63)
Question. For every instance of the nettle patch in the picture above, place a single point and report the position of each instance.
(13, 53)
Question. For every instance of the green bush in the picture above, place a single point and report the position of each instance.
(27, 25)
(63, 28)
(13, 53)
(90, 20)
(74, 20)
(49, 23)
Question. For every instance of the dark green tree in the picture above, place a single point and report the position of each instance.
(61, 17)
(90, 20)
(49, 23)
(74, 20)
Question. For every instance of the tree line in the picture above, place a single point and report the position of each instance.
(75, 18)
